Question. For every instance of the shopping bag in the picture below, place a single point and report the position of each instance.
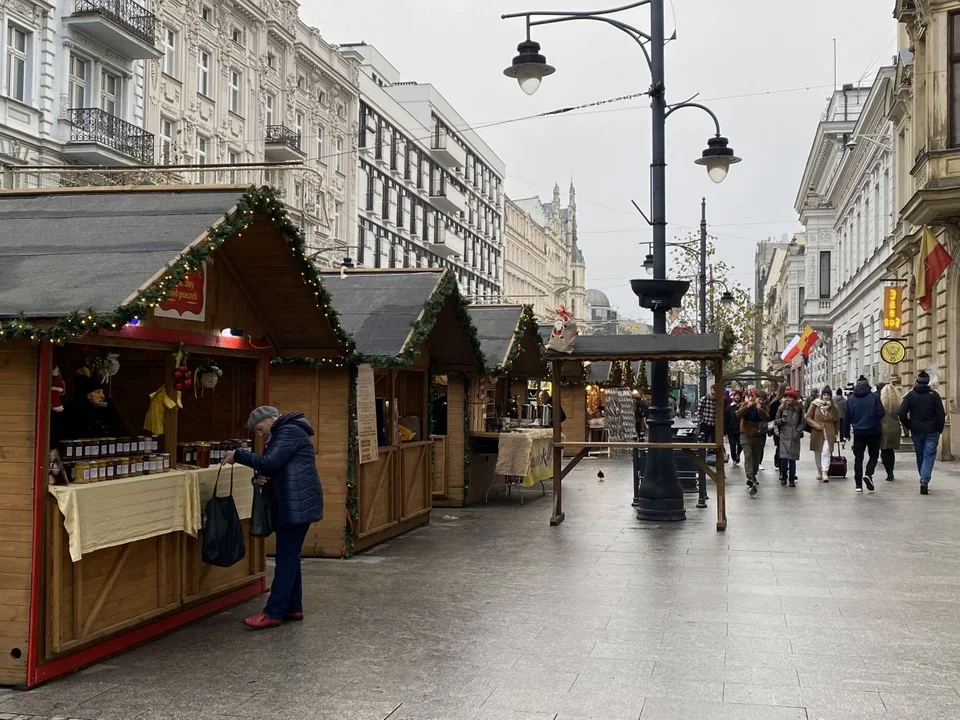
(261, 523)
(222, 541)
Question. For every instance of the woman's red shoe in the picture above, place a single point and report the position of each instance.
(293, 617)
(261, 622)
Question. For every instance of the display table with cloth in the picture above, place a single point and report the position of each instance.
(524, 458)
(116, 512)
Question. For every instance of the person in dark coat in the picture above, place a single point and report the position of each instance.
(923, 415)
(731, 426)
(864, 414)
(789, 424)
(288, 468)
(91, 415)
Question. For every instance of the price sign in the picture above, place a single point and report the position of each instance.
(891, 308)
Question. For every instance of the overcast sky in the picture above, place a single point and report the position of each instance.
(766, 67)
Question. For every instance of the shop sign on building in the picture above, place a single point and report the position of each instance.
(891, 308)
(188, 300)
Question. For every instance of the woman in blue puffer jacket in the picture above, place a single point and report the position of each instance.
(288, 468)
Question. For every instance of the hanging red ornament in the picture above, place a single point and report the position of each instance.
(179, 386)
(188, 374)
(177, 374)
(188, 383)
(183, 368)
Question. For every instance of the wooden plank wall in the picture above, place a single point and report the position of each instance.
(456, 397)
(324, 397)
(18, 393)
(573, 400)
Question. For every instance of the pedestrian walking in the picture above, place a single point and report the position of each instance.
(824, 420)
(789, 426)
(841, 402)
(864, 414)
(889, 428)
(731, 424)
(753, 415)
(922, 414)
(296, 498)
(684, 403)
(771, 429)
(707, 414)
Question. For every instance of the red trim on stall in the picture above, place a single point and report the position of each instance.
(137, 332)
(114, 645)
(45, 361)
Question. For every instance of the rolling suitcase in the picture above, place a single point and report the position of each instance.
(838, 465)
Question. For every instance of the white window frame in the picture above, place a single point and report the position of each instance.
(171, 42)
(206, 14)
(201, 154)
(299, 126)
(236, 33)
(168, 143)
(235, 91)
(337, 223)
(234, 157)
(78, 82)
(270, 108)
(339, 155)
(14, 56)
(320, 157)
(204, 72)
(116, 97)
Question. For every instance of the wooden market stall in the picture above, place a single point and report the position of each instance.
(618, 348)
(513, 351)
(572, 395)
(408, 324)
(153, 295)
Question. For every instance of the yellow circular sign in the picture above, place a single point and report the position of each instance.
(893, 351)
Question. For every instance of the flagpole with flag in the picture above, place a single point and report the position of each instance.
(933, 259)
(801, 344)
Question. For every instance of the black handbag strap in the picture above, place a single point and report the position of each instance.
(217, 482)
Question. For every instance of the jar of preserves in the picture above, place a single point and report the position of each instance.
(141, 443)
(166, 461)
(81, 472)
(104, 447)
(91, 449)
(111, 447)
(203, 455)
(111, 469)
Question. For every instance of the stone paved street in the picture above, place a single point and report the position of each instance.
(816, 603)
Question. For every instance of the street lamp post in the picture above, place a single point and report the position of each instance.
(660, 496)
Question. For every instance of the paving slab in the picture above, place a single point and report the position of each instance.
(817, 602)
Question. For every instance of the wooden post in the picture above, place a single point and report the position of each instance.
(720, 479)
(557, 517)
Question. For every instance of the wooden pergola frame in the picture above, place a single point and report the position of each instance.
(631, 348)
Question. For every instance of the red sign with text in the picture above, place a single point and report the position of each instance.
(187, 300)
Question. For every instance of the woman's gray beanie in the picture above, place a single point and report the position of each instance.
(261, 413)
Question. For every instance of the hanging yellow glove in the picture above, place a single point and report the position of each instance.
(160, 402)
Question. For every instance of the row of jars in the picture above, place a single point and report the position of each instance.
(99, 448)
(90, 471)
(205, 454)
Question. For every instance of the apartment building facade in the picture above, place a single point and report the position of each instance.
(430, 189)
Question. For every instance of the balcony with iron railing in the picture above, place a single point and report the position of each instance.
(99, 138)
(283, 144)
(122, 25)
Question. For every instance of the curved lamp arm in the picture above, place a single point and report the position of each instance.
(673, 108)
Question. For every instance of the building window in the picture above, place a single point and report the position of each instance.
(170, 51)
(204, 61)
(270, 101)
(371, 189)
(271, 60)
(299, 127)
(320, 143)
(954, 78)
(824, 273)
(341, 113)
(338, 221)
(322, 97)
(301, 82)
(237, 36)
(18, 44)
(110, 93)
(206, 12)
(79, 76)
(234, 158)
(233, 95)
(168, 145)
(339, 155)
(200, 156)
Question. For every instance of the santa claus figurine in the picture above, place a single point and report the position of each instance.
(57, 388)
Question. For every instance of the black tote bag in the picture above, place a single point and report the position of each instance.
(261, 519)
(222, 543)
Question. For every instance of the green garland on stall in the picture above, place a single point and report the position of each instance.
(424, 325)
(263, 201)
(527, 320)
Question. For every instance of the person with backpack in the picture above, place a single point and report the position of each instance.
(923, 415)
(864, 414)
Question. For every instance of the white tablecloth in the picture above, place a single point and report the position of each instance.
(514, 454)
(116, 512)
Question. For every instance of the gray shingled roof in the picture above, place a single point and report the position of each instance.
(62, 252)
(495, 325)
(379, 308)
(608, 347)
